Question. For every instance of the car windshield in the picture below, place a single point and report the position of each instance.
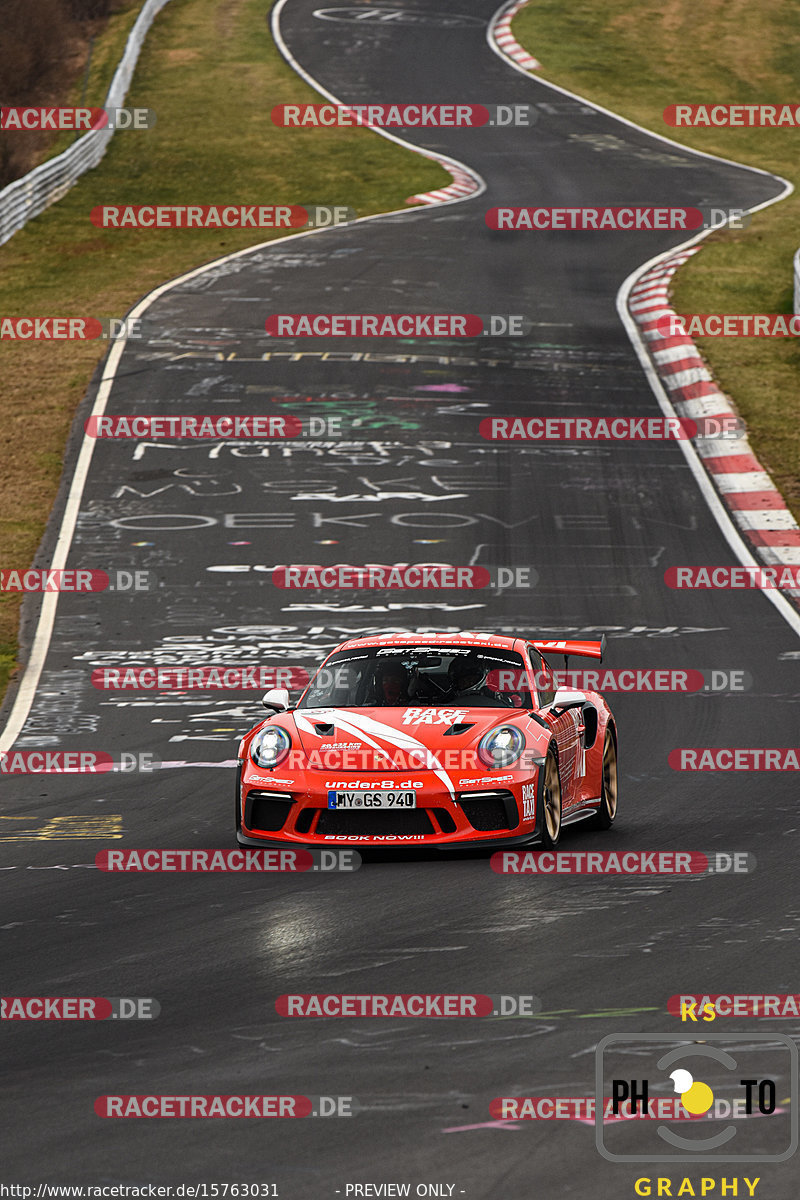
(396, 677)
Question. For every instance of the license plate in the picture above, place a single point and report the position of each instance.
(381, 799)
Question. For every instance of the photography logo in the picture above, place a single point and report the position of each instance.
(696, 1098)
(728, 1086)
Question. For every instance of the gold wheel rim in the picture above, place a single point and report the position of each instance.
(552, 799)
(610, 775)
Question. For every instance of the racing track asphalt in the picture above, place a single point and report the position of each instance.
(599, 523)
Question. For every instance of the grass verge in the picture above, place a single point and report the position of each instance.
(638, 59)
(212, 74)
(89, 89)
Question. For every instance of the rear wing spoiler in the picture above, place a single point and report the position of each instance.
(581, 649)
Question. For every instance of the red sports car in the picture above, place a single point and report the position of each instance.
(447, 740)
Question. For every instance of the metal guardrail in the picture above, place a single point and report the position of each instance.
(25, 198)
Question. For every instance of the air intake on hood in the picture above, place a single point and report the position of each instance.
(457, 729)
(324, 730)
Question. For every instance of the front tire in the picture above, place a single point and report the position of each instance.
(604, 817)
(238, 801)
(551, 802)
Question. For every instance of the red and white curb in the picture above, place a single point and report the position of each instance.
(756, 506)
(503, 42)
(507, 44)
(463, 185)
(749, 510)
(466, 182)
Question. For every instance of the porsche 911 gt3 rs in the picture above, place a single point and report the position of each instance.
(447, 740)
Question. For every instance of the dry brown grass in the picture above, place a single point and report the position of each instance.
(201, 148)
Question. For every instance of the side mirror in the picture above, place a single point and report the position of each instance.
(569, 698)
(277, 699)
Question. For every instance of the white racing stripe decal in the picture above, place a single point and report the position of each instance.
(357, 723)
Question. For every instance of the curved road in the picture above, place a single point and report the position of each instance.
(412, 482)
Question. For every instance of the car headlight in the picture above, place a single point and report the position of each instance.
(270, 746)
(501, 747)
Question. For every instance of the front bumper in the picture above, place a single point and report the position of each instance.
(483, 843)
(479, 816)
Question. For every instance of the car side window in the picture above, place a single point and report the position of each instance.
(542, 678)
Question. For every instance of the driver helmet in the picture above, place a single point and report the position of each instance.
(467, 674)
(391, 669)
